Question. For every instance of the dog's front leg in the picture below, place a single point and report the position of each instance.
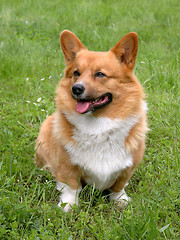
(118, 193)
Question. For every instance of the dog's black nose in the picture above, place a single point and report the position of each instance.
(78, 89)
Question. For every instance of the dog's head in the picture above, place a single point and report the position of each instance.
(99, 79)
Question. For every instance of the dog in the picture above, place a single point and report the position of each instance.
(97, 133)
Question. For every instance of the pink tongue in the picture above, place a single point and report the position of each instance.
(82, 107)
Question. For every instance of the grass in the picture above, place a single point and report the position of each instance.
(31, 64)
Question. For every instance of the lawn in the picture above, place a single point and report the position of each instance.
(31, 64)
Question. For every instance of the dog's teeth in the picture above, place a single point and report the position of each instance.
(95, 101)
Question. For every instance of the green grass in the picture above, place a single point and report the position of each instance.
(29, 55)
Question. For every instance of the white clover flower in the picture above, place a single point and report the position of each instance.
(28, 101)
(50, 77)
(60, 74)
(27, 79)
(42, 110)
(142, 62)
(35, 103)
(39, 99)
(42, 79)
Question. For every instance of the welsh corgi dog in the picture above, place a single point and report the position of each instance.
(97, 133)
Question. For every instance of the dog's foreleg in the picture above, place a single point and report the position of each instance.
(118, 193)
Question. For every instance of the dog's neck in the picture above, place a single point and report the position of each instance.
(90, 125)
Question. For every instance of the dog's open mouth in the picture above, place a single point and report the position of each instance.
(84, 105)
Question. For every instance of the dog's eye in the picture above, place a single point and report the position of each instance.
(100, 75)
(76, 73)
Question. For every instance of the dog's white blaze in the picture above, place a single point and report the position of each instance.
(100, 149)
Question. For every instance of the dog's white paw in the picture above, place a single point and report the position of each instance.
(68, 196)
(66, 208)
(121, 198)
(67, 200)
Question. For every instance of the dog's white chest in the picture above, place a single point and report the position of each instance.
(100, 150)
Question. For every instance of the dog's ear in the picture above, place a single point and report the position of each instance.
(70, 45)
(126, 49)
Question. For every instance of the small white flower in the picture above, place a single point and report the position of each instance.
(49, 219)
(28, 101)
(60, 74)
(27, 79)
(27, 22)
(35, 103)
(42, 110)
(39, 99)
(50, 77)
(142, 62)
(42, 79)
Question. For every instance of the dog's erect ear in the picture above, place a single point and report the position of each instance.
(126, 49)
(70, 45)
